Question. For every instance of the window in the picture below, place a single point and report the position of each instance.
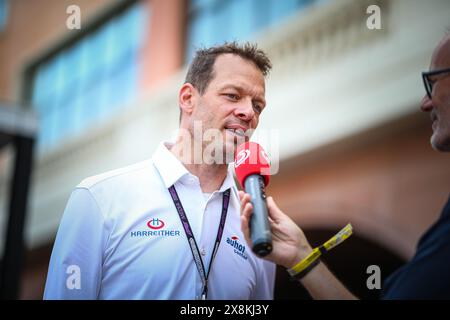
(215, 21)
(3, 14)
(88, 80)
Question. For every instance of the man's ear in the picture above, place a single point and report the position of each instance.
(187, 98)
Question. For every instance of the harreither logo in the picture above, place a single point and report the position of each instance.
(156, 226)
(239, 248)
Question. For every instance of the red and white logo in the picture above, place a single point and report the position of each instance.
(155, 224)
(241, 157)
(239, 248)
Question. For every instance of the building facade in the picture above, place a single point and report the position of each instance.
(342, 110)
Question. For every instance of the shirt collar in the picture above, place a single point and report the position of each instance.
(169, 167)
(229, 181)
(172, 170)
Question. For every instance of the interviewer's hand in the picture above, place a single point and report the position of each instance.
(288, 240)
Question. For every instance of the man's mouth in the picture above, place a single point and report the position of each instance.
(238, 132)
(236, 129)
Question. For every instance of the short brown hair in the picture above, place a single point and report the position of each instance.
(200, 71)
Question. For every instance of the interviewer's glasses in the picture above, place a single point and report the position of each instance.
(429, 79)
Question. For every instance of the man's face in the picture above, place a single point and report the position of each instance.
(439, 105)
(233, 100)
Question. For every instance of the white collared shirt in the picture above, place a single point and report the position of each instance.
(121, 238)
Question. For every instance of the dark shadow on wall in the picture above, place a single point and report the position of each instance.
(348, 261)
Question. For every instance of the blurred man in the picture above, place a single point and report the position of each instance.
(427, 275)
(169, 227)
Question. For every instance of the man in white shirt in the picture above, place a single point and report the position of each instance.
(169, 227)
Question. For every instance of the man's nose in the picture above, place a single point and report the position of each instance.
(426, 104)
(245, 111)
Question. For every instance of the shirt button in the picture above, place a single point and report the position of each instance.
(203, 252)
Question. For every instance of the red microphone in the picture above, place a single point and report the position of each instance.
(252, 166)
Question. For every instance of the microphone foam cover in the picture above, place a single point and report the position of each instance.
(251, 159)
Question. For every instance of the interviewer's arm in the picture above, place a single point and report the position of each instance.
(290, 246)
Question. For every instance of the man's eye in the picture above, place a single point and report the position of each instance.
(232, 96)
(258, 108)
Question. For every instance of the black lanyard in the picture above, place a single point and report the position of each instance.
(190, 236)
